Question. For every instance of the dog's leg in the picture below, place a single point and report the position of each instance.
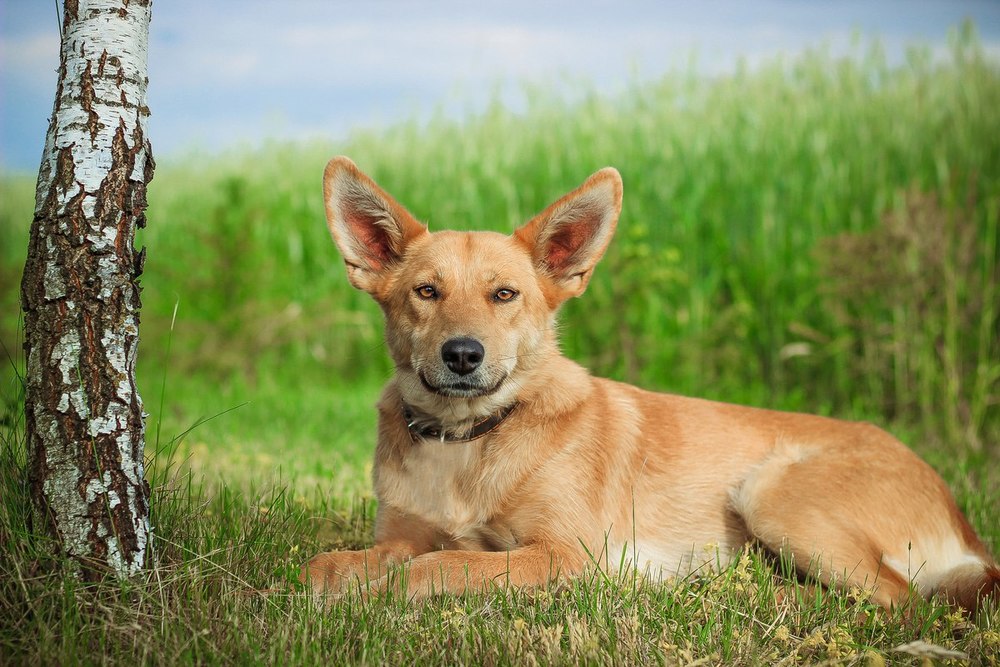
(458, 572)
(398, 538)
(334, 571)
(833, 534)
(843, 560)
(864, 511)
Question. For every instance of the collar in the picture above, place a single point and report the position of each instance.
(434, 432)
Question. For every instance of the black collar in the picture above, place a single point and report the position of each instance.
(434, 432)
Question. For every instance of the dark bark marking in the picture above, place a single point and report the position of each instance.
(87, 96)
(71, 12)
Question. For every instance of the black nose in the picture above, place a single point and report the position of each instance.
(462, 355)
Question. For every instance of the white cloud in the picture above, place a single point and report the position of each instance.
(224, 70)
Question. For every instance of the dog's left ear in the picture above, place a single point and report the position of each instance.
(567, 239)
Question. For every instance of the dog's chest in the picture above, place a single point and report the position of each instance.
(433, 483)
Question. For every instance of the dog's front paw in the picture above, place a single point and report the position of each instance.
(333, 571)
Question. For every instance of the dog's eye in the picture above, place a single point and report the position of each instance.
(504, 294)
(426, 292)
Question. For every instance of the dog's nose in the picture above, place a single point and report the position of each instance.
(462, 355)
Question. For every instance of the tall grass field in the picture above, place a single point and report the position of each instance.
(818, 234)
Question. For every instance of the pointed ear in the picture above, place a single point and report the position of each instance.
(370, 227)
(568, 238)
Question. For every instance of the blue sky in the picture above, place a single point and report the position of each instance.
(226, 73)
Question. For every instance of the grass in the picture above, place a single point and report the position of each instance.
(198, 602)
(819, 234)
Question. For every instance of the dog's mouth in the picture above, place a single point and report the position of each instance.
(460, 389)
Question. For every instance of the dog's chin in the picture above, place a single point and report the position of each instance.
(461, 389)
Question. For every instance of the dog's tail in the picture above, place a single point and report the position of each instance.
(969, 585)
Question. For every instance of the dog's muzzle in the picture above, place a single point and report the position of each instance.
(461, 372)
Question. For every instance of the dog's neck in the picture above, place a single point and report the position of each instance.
(425, 427)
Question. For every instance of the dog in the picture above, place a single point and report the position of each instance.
(501, 462)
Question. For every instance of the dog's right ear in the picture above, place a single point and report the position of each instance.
(370, 227)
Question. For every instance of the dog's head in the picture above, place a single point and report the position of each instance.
(468, 314)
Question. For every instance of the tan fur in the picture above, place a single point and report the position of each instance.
(588, 472)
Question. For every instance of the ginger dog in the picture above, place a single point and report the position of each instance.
(501, 462)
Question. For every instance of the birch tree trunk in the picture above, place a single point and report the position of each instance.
(84, 418)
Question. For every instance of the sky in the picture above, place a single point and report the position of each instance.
(226, 73)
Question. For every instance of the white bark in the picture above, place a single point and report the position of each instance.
(104, 51)
(84, 414)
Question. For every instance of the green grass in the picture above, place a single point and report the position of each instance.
(818, 234)
(200, 602)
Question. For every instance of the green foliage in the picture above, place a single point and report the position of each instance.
(720, 281)
(917, 299)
